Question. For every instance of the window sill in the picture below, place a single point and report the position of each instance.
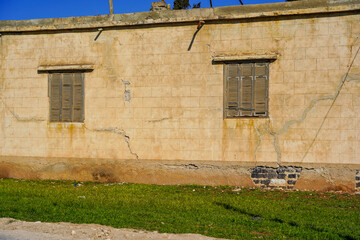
(66, 125)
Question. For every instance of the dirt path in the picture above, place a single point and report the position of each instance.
(11, 229)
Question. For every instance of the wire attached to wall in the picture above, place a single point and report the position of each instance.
(332, 104)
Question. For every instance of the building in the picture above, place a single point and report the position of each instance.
(257, 95)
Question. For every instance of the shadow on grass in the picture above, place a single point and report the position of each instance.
(278, 220)
(235, 209)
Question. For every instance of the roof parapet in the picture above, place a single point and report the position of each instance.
(304, 7)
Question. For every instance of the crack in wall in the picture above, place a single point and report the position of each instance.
(343, 80)
(260, 131)
(158, 120)
(198, 166)
(348, 77)
(276, 147)
(120, 132)
(19, 118)
(212, 52)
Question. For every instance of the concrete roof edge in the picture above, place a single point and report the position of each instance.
(302, 7)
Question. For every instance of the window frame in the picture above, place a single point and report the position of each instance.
(82, 108)
(226, 89)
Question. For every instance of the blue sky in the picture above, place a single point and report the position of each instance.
(34, 9)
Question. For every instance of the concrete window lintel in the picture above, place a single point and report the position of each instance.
(74, 67)
(245, 57)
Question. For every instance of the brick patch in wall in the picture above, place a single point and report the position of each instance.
(281, 177)
(357, 181)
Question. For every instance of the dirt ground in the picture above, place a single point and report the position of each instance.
(11, 229)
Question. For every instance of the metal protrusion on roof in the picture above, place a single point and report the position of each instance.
(111, 8)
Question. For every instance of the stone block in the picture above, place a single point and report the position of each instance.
(290, 170)
(277, 182)
(272, 174)
(281, 176)
(265, 182)
(258, 175)
(291, 182)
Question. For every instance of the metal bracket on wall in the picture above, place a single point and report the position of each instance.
(97, 36)
(200, 25)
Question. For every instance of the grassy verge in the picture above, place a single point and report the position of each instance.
(212, 211)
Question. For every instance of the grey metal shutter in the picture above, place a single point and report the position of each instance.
(78, 98)
(55, 97)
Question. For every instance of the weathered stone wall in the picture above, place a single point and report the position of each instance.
(175, 108)
(281, 177)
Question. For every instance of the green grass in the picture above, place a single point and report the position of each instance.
(212, 211)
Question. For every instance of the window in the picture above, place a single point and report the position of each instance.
(66, 91)
(246, 89)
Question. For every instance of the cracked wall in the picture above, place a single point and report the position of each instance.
(176, 108)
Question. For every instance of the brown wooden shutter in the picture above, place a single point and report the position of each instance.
(67, 98)
(246, 89)
(78, 98)
(232, 87)
(260, 69)
(55, 97)
(260, 91)
(260, 96)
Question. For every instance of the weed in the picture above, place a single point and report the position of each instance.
(220, 211)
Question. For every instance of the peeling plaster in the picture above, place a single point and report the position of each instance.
(326, 175)
(127, 96)
(198, 166)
